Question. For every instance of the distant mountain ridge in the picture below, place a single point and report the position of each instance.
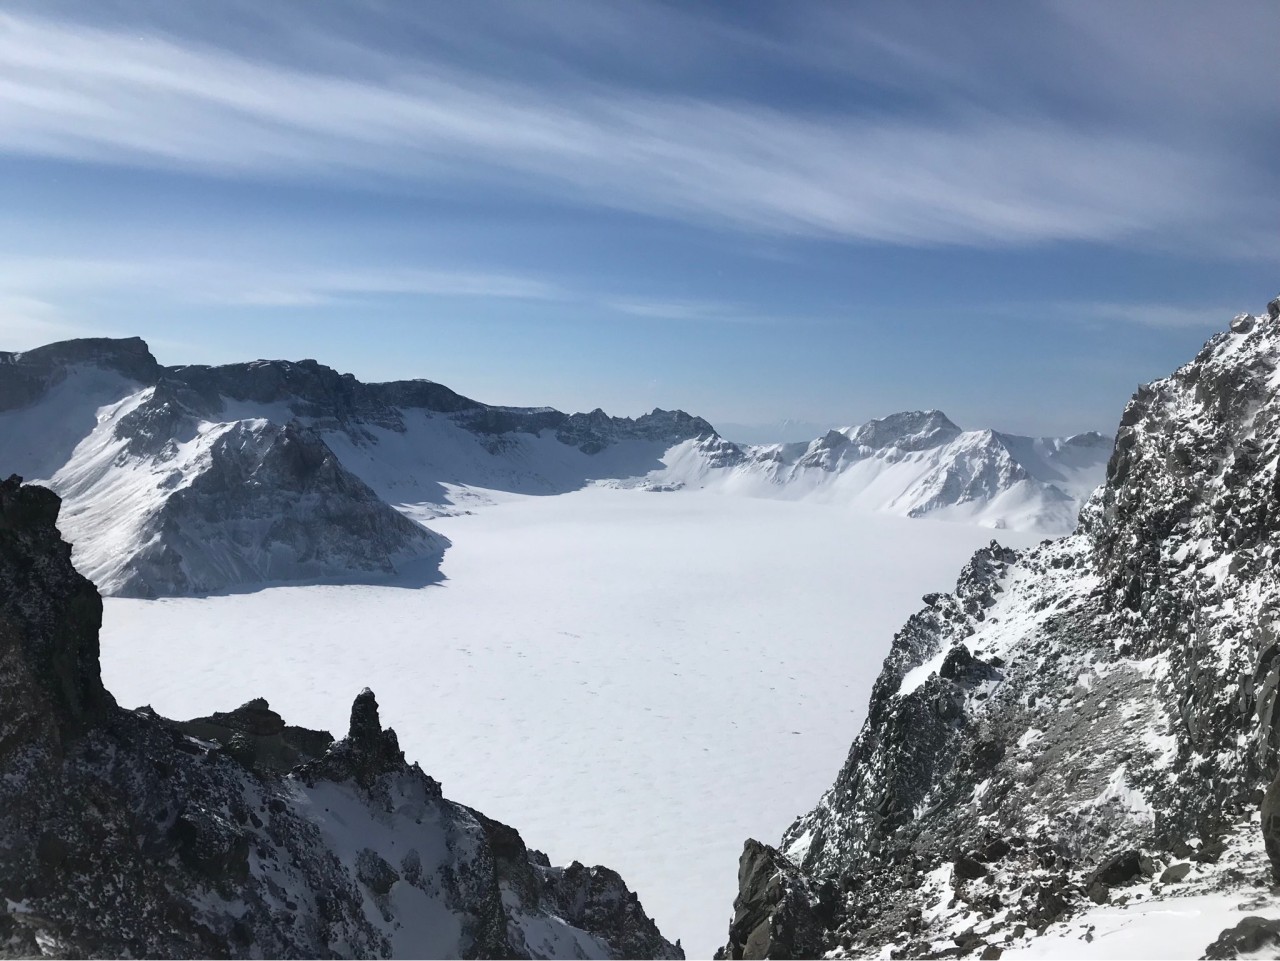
(914, 463)
(196, 479)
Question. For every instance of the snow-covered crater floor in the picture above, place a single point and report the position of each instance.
(629, 678)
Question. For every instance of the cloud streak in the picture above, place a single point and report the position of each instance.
(255, 284)
(973, 177)
(26, 282)
(1156, 316)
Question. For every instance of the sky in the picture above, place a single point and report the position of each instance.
(757, 212)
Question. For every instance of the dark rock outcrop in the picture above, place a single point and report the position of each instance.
(1098, 701)
(123, 834)
(1251, 938)
(49, 622)
(258, 737)
(775, 915)
(1127, 867)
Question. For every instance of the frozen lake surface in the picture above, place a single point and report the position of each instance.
(636, 679)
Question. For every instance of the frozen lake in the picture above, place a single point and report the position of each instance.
(629, 678)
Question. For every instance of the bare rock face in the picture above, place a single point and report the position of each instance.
(266, 503)
(367, 753)
(123, 834)
(1074, 719)
(776, 913)
(49, 622)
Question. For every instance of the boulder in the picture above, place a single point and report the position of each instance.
(1175, 873)
(1249, 938)
(1121, 870)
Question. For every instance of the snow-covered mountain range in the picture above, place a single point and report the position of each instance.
(195, 479)
(1079, 730)
(124, 834)
(914, 464)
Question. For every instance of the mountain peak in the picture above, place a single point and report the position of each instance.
(126, 355)
(907, 430)
(25, 376)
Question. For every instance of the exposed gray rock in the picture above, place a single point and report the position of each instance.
(1112, 691)
(1175, 873)
(270, 503)
(123, 834)
(1121, 869)
(776, 914)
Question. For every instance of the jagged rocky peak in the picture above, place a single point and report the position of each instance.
(280, 487)
(1088, 721)
(907, 430)
(593, 432)
(124, 834)
(367, 753)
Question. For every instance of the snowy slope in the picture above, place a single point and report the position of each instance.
(1074, 718)
(913, 464)
(192, 480)
(201, 505)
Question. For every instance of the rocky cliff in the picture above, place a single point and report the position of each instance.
(1086, 722)
(124, 834)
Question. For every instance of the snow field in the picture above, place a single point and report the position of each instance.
(629, 678)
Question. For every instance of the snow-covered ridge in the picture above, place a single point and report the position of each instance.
(197, 479)
(1074, 720)
(200, 479)
(914, 464)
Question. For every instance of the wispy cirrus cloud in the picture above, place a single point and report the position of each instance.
(26, 282)
(976, 175)
(27, 322)
(257, 283)
(1157, 316)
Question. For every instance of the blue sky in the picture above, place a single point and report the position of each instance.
(754, 211)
